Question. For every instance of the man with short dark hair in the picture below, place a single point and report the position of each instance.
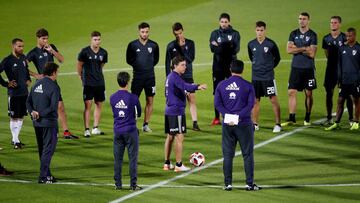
(126, 108)
(143, 54)
(331, 44)
(234, 99)
(17, 72)
(185, 48)
(349, 78)
(175, 122)
(302, 45)
(43, 53)
(264, 55)
(42, 104)
(224, 44)
(91, 61)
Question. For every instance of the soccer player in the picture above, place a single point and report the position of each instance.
(302, 45)
(175, 122)
(40, 55)
(234, 99)
(91, 61)
(224, 44)
(331, 43)
(42, 104)
(143, 54)
(186, 48)
(126, 108)
(264, 55)
(17, 72)
(349, 73)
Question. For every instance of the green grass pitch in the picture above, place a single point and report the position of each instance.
(310, 165)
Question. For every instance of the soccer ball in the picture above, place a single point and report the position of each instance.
(197, 159)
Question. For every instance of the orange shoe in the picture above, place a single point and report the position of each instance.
(216, 121)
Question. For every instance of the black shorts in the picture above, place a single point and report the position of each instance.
(350, 89)
(148, 84)
(175, 124)
(190, 81)
(218, 77)
(94, 92)
(301, 79)
(17, 106)
(264, 88)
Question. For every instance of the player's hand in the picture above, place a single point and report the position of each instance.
(12, 84)
(35, 115)
(202, 87)
(39, 76)
(48, 48)
(181, 42)
(214, 43)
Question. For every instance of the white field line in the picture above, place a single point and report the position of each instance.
(190, 186)
(127, 68)
(165, 182)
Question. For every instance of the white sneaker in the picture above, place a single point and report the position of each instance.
(256, 126)
(277, 129)
(351, 122)
(97, 131)
(181, 168)
(146, 129)
(168, 167)
(87, 133)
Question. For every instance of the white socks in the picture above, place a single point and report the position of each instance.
(15, 127)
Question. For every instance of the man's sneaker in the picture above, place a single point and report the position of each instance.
(215, 121)
(146, 129)
(288, 123)
(328, 122)
(196, 127)
(168, 167)
(351, 122)
(18, 145)
(118, 187)
(97, 131)
(87, 133)
(307, 123)
(4, 172)
(47, 180)
(68, 135)
(256, 127)
(228, 187)
(181, 168)
(333, 127)
(277, 129)
(252, 187)
(135, 188)
(355, 126)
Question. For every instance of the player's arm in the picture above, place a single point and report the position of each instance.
(250, 53)
(79, 67)
(250, 104)
(325, 47)
(293, 49)
(156, 55)
(130, 55)
(236, 43)
(105, 60)
(276, 54)
(214, 46)
(168, 60)
(310, 51)
(52, 49)
(189, 53)
(218, 102)
(138, 107)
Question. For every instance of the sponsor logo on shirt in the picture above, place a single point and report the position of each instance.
(138, 50)
(149, 50)
(121, 105)
(15, 65)
(266, 49)
(232, 86)
(174, 50)
(40, 57)
(232, 95)
(344, 52)
(39, 89)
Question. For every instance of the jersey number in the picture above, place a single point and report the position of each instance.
(311, 83)
(270, 90)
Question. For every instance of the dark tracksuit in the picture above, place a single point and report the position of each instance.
(228, 41)
(44, 98)
(188, 51)
(236, 96)
(125, 107)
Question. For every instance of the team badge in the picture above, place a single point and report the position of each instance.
(101, 58)
(340, 43)
(354, 52)
(232, 95)
(45, 54)
(266, 49)
(229, 37)
(186, 47)
(24, 63)
(121, 114)
(301, 36)
(149, 50)
(307, 38)
(219, 39)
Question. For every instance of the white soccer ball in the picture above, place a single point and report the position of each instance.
(197, 159)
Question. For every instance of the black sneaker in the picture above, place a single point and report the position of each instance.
(228, 187)
(196, 127)
(47, 180)
(135, 188)
(4, 172)
(118, 187)
(18, 145)
(252, 187)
